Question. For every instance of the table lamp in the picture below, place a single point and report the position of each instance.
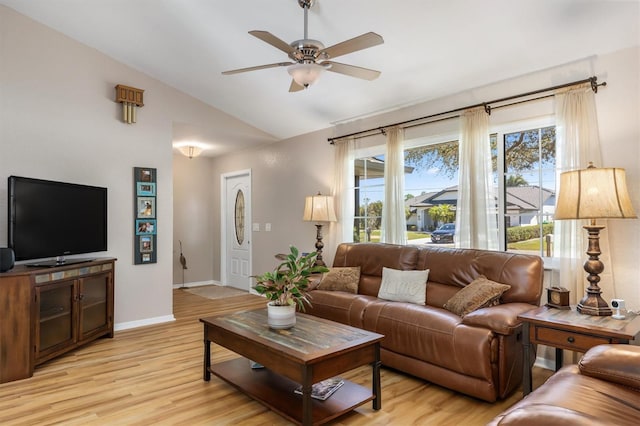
(594, 193)
(319, 208)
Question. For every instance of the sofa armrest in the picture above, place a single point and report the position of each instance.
(502, 319)
(613, 363)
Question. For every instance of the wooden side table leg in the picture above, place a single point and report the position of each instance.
(206, 363)
(559, 358)
(375, 380)
(526, 364)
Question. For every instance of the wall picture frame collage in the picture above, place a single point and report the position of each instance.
(145, 221)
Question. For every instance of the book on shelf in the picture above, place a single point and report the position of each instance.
(324, 389)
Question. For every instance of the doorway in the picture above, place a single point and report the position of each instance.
(236, 229)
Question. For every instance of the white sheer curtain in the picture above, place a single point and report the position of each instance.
(476, 215)
(342, 191)
(394, 222)
(577, 143)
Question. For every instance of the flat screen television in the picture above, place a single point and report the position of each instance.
(55, 219)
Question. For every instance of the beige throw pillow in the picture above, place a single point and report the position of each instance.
(479, 293)
(341, 279)
(404, 286)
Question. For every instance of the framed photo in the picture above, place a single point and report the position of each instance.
(146, 257)
(145, 175)
(146, 244)
(146, 207)
(145, 188)
(145, 226)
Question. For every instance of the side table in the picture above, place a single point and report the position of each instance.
(571, 330)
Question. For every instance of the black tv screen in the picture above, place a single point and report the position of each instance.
(55, 219)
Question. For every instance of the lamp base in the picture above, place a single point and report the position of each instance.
(594, 304)
(319, 246)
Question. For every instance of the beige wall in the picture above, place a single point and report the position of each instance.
(192, 205)
(59, 121)
(283, 174)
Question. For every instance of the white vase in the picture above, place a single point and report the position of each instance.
(281, 317)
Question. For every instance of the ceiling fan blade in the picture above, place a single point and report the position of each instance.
(295, 87)
(352, 70)
(269, 38)
(363, 41)
(259, 67)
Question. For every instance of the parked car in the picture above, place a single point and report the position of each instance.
(444, 234)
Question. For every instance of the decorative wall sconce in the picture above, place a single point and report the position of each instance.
(130, 97)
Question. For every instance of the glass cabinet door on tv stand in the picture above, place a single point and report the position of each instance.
(54, 324)
(94, 305)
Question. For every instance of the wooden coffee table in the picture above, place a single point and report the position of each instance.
(314, 350)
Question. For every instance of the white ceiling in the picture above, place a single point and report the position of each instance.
(432, 48)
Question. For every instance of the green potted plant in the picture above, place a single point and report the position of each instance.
(286, 287)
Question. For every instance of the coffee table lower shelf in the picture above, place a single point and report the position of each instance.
(277, 392)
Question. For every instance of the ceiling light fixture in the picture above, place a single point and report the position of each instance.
(190, 150)
(305, 74)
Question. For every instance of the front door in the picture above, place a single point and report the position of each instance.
(236, 230)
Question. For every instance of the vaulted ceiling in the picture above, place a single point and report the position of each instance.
(432, 48)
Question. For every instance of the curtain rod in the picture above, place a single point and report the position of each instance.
(487, 107)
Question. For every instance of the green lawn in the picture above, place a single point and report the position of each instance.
(530, 245)
(411, 235)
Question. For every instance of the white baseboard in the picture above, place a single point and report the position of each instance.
(547, 364)
(197, 284)
(141, 323)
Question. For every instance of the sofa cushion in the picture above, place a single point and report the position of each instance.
(345, 308)
(341, 279)
(480, 293)
(432, 335)
(458, 267)
(403, 286)
(613, 363)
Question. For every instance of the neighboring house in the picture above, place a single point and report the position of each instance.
(419, 207)
(522, 205)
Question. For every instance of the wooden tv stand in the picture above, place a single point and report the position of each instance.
(45, 312)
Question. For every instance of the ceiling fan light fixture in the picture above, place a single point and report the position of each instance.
(305, 74)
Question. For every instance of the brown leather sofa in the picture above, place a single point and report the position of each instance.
(603, 389)
(479, 354)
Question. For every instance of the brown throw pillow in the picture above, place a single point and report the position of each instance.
(341, 279)
(479, 293)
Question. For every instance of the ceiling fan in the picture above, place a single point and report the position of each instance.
(311, 58)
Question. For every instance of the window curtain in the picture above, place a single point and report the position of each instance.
(394, 222)
(577, 143)
(343, 186)
(476, 215)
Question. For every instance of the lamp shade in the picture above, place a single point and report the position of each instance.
(594, 193)
(305, 74)
(319, 208)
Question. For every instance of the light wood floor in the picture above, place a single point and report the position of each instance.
(153, 376)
